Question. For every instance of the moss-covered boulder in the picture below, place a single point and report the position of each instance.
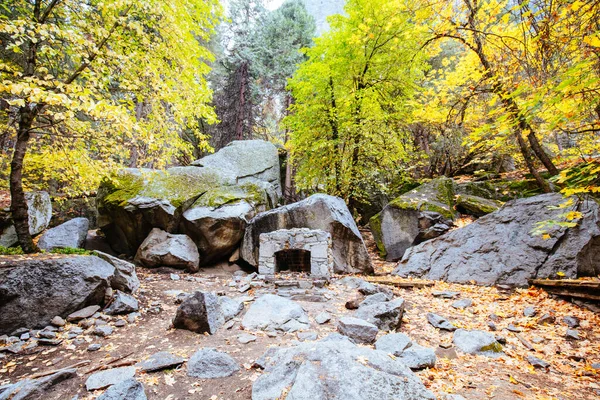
(476, 206)
(211, 203)
(421, 214)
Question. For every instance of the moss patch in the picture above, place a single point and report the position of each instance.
(375, 225)
(494, 347)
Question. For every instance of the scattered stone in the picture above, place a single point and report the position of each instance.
(229, 324)
(29, 389)
(230, 308)
(352, 304)
(446, 294)
(100, 322)
(87, 323)
(122, 303)
(537, 340)
(25, 336)
(83, 313)
(159, 361)
(47, 334)
(270, 312)
(476, 342)
(571, 321)
(596, 365)
(49, 342)
(244, 288)
(333, 368)
(109, 377)
(200, 313)
(572, 334)
(454, 397)
(530, 311)
(546, 319)
(166, 249)
(393, 343)
(494, 317)
(175, 277)
(246, 338)
(386, 316)
(208, 363)
(513, 328)
(58, 321)
(103, 331)
(440, 322)
(120, 323)
(94, 347)
(323, 318)
(129, 389)
(537, 363)
(70, 234)
(462, 303)
(307, 336)
(418, 357)
(132, 317)
(374, 298)
(358, 330)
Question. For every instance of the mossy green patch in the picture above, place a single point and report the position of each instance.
(221, 195)
(477, 206)
(494, 347)
(375, 225)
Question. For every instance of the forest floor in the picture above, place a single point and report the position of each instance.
(475, 377)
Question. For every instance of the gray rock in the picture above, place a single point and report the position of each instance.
(499, 248)
(33, 389)
(393, 343)
(323, 318)
(304, 336)
(39, 211)
(537, 363)
(530, 311)
(175, 277)
(319, 211)
(208, 363)
(437, 321)
(476, 342)
(84, 313)
(94, 347)
(125, 278)
(103, 331)
(230, 308)
(446, 294)
(165, 249)
(49, 342)
(74, 282)
(454, 397)
(25, 336)
(122, 303)
(129, 389)
(246, 338)
(334, 368)
(120, 323)
(546, 319)
(47, 335)
(358, 330)
(58, 321)
(572, 334)
(159, 361)
(418, 357)
(386, 315)
(70, 234)
(462, 303)
(109, 377)
(374, 298)
(200, 313)
(571, 321)
(270, 312)
(421, 214)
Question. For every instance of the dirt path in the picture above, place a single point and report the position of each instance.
(474, 377)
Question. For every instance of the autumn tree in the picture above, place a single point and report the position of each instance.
(74, 74)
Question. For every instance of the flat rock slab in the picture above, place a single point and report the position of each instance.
(270, 312)
(83, 313)
(437, 321)
(209, 363)
(159, 361)
(30, 389)
(462, 303)
(477, 342)
(335, 368)
(109, 377)
(129, 389)
(393, 343)
(358, 330)
(385, 315)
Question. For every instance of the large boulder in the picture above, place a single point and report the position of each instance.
(71, 234)
(319, 211)
(34, 291)
(421, 214)
(125, 278)
(40, 212)
(165, 249)
(501, 249)
(335, 368)
(200, 313)
(210, 201)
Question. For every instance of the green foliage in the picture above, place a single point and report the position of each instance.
(73, 251)
(10, 251)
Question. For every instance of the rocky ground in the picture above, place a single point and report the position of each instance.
(570, 374)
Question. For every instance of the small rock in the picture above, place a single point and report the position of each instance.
(175, 277)
(246, 338)
(546, 319)
(229, 324)
(120, 323)
(58, 321)
(463, 303)
(109, 377)
(230, 308)
(596, 365)
(537, 363)
(352, 304)
(122, 303)
(208, 363)
(418, 357)
(440, 322)
(386, 315)
(500, 339)
(132, 317)
(304, 336)
(571, 321)
(244, 288)
(323, 318)
(476, 342)
(159, 361)
(492, 326)
(47, 334)
(358, 330)
(530, 311)
(25, 336)
(513, 328)
(494, 317)
(87, 323)
(572, 334)
(100, 322)
(50, 342)
(305, 285)
(83, 313)
(129, 389)
(446, 294)
(76, 330)
(103, 331)
(537, 340)
(94, 347)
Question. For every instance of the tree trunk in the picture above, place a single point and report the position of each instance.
(18, 205)
(542, 183)
(541, 154)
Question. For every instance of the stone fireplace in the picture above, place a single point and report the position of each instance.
(295, 250)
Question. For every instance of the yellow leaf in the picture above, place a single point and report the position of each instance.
(513, 380)
(546, 236)
(560, 273)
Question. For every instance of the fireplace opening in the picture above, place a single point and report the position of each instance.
(292, 260)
